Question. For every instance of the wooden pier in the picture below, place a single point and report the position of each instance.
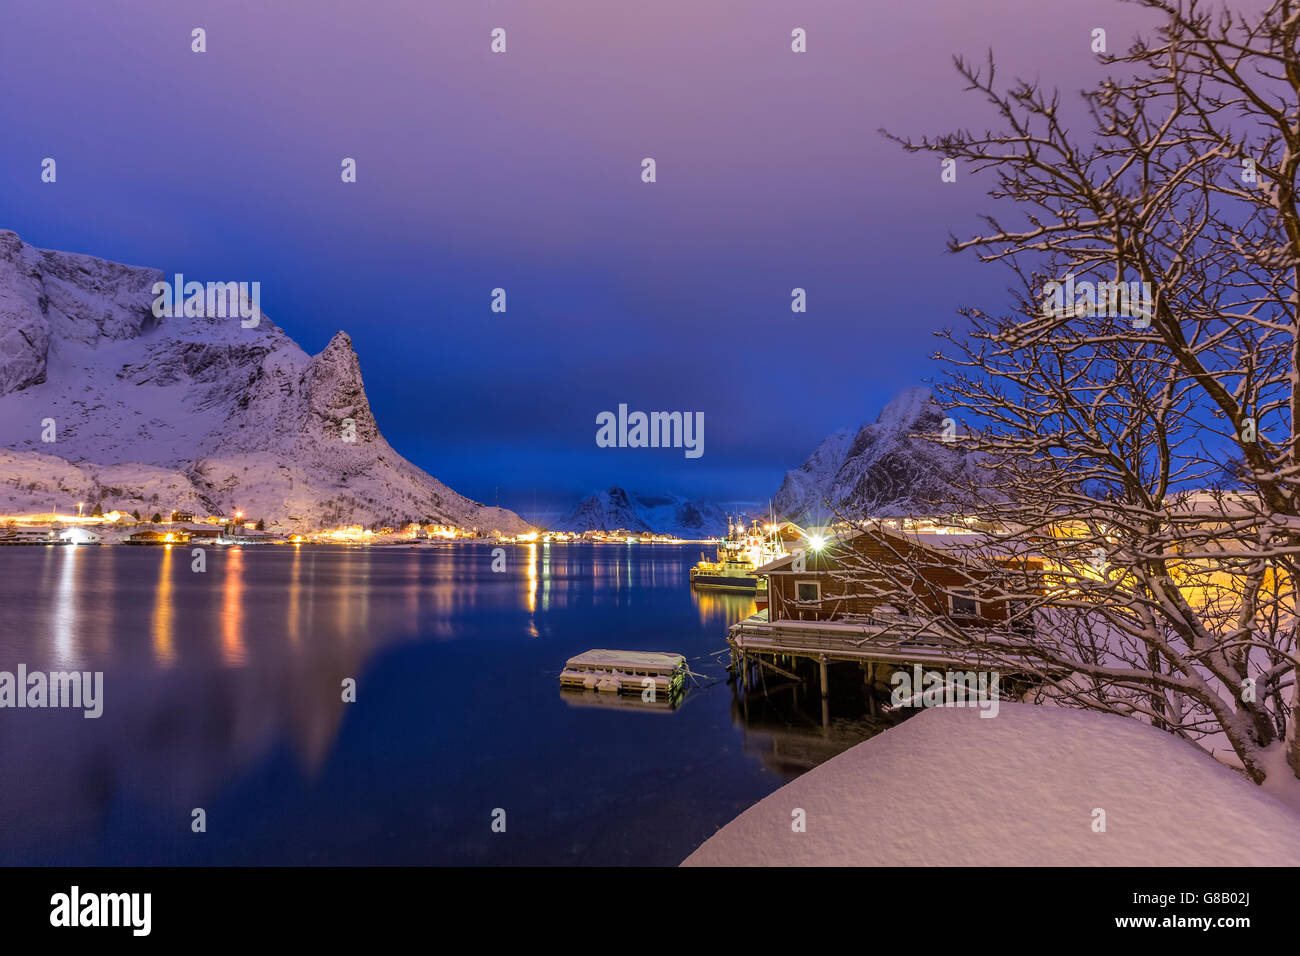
(878, 644)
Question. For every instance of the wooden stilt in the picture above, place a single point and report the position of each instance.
(744, 668)
(780, 670)
(826, 696)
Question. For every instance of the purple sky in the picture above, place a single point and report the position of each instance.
(522, 171)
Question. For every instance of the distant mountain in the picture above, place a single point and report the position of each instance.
(880, 469)
(188, 412)
(616, 509)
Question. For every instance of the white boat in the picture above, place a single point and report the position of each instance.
(740, 553)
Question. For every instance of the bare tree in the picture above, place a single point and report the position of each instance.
(1150, 350)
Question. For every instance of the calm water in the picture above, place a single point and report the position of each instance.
(223, 691)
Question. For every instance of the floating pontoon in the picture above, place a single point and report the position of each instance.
(625, 672)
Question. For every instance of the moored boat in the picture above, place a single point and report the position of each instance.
(740, 553)
(728, 575)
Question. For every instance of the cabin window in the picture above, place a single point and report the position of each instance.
(808, 592)
(964, 604)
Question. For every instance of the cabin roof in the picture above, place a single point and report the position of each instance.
(628, 659)
(974, 543)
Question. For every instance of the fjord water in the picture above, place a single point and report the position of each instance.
(223, 691)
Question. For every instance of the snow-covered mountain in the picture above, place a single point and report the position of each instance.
(881, 469)
(188, 412)
(616, 509)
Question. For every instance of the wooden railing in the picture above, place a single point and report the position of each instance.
(883, 630)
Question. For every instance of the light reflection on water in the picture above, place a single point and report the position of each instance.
(65, 610)
(164, 649)
(730, 607)
(222, 690)
(232, 608)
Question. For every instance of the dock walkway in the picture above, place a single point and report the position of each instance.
(877, 643)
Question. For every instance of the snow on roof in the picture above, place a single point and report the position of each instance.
(948, 787)
(947, 539)
(628, 660)
(976, 544)
(1215, 503)
(774, 565)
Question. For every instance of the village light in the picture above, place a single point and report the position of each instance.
(817, 542)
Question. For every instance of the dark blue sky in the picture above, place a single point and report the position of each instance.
(522, 171)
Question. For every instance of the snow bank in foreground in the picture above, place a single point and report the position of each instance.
(948, 787)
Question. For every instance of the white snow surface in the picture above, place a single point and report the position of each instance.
(948, 787)
(188, 412)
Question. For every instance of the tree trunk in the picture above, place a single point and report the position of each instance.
(1293, 730)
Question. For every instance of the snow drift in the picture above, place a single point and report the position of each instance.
(949, 788)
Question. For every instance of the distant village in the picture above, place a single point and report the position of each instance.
(99, 527)
(120, 527)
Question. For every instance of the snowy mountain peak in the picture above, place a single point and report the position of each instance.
(908, 407)
(882, 469)
(340, 350)
(616, 509)
(337, 393)
(190, 408)
(76, 299)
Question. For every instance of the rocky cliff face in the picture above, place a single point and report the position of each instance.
(188, 411)
(616, 509)
(882, 469)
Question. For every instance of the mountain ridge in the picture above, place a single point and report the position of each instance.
(886, 468)
(205, 410)
(615, 509)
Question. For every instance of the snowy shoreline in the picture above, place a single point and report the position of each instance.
(1030, 788)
